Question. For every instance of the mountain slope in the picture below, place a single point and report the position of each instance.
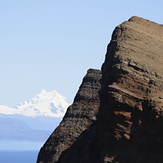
(44, 104)
(33, 119)
(11, 128)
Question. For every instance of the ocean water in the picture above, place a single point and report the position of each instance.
(12, 151)
(18, 156)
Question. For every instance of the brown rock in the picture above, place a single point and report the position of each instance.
(127, 127)
(130, 114)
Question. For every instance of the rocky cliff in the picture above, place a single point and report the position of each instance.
(126, 124)
(79, 116)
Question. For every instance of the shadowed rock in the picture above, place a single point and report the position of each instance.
(79, 116)
(126, 125)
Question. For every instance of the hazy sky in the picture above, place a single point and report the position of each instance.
(50, 44)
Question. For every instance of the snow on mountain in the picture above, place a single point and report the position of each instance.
(44, 104)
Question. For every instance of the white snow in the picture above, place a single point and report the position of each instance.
(44, 104)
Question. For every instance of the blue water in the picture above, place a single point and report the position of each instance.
(18, 156)
(15, 151)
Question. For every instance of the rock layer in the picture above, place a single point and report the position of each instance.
(126, 125)
(130, 117)
(79, 116)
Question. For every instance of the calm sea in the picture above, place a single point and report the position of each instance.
(12, 151)
(18, 156)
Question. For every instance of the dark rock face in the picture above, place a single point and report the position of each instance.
(79, 116)
(126, 125)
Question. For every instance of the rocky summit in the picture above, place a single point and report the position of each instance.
(117, 114)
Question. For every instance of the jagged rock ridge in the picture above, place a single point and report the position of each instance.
(128, 119)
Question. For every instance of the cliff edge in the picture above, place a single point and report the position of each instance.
(78, 118)
(121, 121)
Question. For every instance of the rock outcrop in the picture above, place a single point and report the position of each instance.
(126, 124)
(79, 116)
(130, 119)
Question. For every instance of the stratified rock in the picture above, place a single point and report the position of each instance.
(79, 116)
(130, 122)
(128, 127)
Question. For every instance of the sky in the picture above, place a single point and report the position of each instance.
(51, 44)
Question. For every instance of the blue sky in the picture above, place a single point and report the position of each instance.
(51, 44)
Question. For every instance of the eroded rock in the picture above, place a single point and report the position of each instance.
(79, 116)
(123, 122)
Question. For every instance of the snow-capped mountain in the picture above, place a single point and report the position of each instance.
(33, 119)
(44, 104)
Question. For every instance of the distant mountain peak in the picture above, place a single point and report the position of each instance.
(44, 104)
(43, 91)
